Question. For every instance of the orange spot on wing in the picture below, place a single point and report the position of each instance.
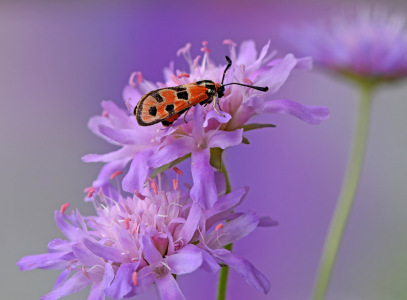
(168, 95)
(197, 94)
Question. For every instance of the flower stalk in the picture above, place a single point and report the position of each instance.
(224, 272)
(347, 195)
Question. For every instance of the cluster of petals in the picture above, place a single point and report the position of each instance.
(145, 148)
(135, 242)
(367, 44)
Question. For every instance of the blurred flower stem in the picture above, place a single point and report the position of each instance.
(347, 195)
(224, 272)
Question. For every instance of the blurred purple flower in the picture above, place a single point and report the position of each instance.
(365, 45)
(135, 242)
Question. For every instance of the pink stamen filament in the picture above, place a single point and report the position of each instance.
(154, 187)
(183, 75)
(134, 78)
(90, 190)
(84, 272)
(196, 60)
(69, 263)
(184, 50)
(134, 278)
(229, 42)
(115, 174)
(105, 114)
(175, 79)
(248, 81)
(64, 207)
(175, 184)
(127, 223)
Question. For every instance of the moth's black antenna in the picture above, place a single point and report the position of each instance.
(259, 88)
(227, 67)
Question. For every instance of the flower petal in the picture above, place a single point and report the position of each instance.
(85, 256)
(122, 283)
(234, 230)
(225, 139)
(204, 188)
(42, 261)
(138, 171)
(212, 114)
(151, 254)
(103, 251)
(247, 53)
(132, 95)
(119, 117)
(73, 285)
(168, 289)
(209, 263)
(97, 291)
(122, 153)
(121, 136)
(145, 279)
(185, 261)
(307, 113)
(198, 129)
(249, 273)
(172, 151)
(276, 76)
(190, 225)
(70, 231)
(227, 202)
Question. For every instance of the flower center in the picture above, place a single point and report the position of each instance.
(161, 270)
(202, 144)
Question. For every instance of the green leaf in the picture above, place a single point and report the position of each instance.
(253, 126)
(245, 140)
(216, 158)
(169, 165)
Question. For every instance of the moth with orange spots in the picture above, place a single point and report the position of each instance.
(168, 104)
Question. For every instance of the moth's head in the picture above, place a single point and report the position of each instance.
(221, 91)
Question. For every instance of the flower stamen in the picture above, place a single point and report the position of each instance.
(183, 75)
(84, 272)
(115, 174)
(219, 227)
(176, 170)
(90, 190)
(127, 223)
(64, 207)
(175, 184)
(138, 195)
(134, 278)
(154, 187)
(135, 77)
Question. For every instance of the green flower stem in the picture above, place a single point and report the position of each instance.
(224, 272)
(347, 195)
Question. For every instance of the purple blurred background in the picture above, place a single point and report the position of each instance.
(59, 59)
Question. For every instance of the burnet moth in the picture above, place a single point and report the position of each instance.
(167, 104)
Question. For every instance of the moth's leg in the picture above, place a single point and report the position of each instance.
(214, 106)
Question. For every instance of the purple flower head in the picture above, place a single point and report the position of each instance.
(366, 45)
(154, 146)
(135, 242)
(248, 67)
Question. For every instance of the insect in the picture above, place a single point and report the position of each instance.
(166, 105)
